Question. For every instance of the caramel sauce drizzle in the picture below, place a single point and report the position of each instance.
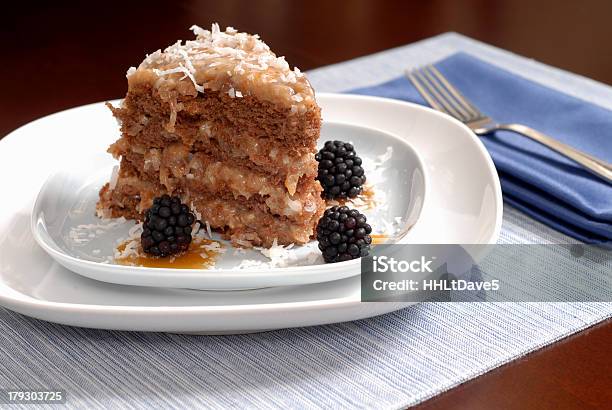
(379, 238)
(196, 257)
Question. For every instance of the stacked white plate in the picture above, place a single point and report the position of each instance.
(434, 183)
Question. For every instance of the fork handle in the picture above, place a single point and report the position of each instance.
(598, 167)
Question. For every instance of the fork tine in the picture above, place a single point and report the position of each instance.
(461, 112)
(464, 102)
(434, 93)
(421, 89)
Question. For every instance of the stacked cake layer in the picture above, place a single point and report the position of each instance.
(223, 123)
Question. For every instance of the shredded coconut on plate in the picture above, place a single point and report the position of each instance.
(279, 256)
(130, 249)
(85, 233)
(381, 159)
(214, 247)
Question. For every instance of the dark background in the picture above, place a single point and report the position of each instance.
(61, 54)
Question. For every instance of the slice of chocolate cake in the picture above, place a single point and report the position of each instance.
(226, 125)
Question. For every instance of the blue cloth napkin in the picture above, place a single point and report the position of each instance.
(536, 180)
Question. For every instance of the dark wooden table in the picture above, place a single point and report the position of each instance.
(64, 54)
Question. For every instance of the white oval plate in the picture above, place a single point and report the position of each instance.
(463, 205)
(68, 200)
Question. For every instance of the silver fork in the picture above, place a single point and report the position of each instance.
(443, 96)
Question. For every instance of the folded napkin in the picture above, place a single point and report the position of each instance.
(534, 179)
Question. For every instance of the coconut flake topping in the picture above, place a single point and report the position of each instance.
(232, 62)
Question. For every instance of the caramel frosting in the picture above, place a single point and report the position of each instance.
(229, 61)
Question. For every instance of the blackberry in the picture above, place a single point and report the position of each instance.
(343, 234)
(167, 227)
(340, 171)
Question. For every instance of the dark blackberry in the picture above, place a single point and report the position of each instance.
(340, 171)
(343, 234)
(167, 227)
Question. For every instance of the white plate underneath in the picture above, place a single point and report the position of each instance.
(65, 225)
(463, 205)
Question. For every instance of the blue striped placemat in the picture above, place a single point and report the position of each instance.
(389, 361)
